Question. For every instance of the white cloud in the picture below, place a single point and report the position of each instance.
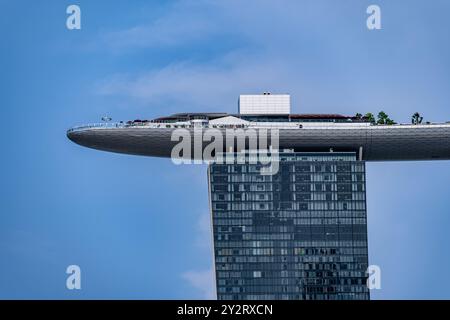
(167, 32)
(263, 56)
(208, 87)
(212, 83)
(202, 281)
(204, 237)
(184, 22)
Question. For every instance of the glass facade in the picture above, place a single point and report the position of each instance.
(298, 234)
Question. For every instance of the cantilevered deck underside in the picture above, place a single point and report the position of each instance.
(376, 142)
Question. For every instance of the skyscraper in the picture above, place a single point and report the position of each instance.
(298, 234)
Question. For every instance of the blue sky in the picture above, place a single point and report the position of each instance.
(138, 227)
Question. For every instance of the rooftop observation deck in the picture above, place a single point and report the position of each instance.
(224, 120)
(213, 120)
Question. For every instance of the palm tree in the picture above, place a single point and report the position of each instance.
(383, 118)
(416, 118)
(369, 116)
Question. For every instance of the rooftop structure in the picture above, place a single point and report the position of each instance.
(265, 103)
(300, 132)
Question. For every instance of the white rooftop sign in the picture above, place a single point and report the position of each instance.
(264, 103)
